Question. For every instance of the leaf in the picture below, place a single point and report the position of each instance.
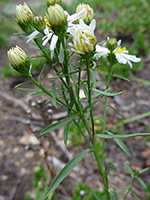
(121, 77)
(29, 90)
(137, 117)
(135, 196)
(24, 83)
(121, 145)
(42, 73)
(85, 90)
(106, 93)
(66, 170)
(121, 136)
(110, 165)
(56, 125)
(66, 133)
(117, 111)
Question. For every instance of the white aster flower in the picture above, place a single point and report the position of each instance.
(121, 54)
(84, 40)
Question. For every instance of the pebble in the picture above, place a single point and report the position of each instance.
(15, 150)
(29, 154)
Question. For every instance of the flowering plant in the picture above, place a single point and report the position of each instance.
(67, 39)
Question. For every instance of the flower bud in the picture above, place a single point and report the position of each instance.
(112, 44)
(89, 15)
(24, 17)
(57, 19)
(52, 2)
(19, 60)
(39, 23)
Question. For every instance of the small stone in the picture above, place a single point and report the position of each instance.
(41, 153)
(4, 177)
(2, 144)
(29, 154)
(15, 150)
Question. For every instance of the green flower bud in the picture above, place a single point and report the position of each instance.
(19, 60)
(89, 15)
(39, 23)
(57, 19)
(24, 17)
(52, 2)
(112, 44)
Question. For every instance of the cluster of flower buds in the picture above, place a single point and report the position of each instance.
(55, 25)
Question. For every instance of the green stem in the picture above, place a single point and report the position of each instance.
(90, 98)
(79, 80)
(43, 51)
(47, 92)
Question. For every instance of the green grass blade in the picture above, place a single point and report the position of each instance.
(66, 170)
(56, 125)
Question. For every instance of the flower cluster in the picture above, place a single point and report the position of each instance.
(55, 27)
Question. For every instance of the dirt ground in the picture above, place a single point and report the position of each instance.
(22, 149)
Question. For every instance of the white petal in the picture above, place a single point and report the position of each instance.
(53, 42)
(46, 38)
(121, 59)
(101, 51)
(93, 24)
(32, 36)
(76, 16)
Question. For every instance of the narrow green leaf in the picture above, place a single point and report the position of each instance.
(93, 78)
(137, 117)
(66, 170)
(106, 93)
(142, 182)
(143, 170)
(121, 145)
(121, 136)
(24, 83)
(29, 90)
(135, 195)
(121, 77)
(56, 125)
(110, 165)
(117, 111)
(42, 73)
(85, 90)
(66, 133)
(38, 93)
(140, 80)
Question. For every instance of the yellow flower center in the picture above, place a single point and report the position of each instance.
(120, 49)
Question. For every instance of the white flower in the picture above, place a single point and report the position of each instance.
(49, 34)
(84, 40)
(121, 54)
